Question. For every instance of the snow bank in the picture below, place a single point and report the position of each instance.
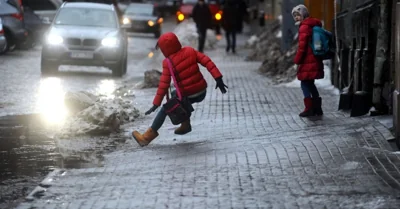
(103, 117)
(187, 33)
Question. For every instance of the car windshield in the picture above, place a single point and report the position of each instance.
(86, 17)
(137, 9)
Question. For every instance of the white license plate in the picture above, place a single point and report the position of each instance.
(82, 55)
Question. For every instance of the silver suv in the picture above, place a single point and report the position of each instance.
(85, 34)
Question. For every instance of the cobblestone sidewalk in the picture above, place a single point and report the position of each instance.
(248, 149)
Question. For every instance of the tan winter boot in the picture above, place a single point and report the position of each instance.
(184, 128)
(146, 138)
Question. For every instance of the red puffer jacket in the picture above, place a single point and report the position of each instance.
(185, 62)
(310, 67)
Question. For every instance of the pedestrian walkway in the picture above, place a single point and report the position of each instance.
(248, 149)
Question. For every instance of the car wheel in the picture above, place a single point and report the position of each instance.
(5, 48)
(48, 67)
(10, 42)
(118, 69)
(125, 65)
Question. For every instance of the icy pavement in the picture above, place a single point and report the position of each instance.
(248, 149)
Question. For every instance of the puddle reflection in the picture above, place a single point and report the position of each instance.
(51, 101)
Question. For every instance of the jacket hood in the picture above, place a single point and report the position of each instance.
(169, 44)
(311, 22)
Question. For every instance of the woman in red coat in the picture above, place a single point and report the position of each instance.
(309, 66)
(190, 82)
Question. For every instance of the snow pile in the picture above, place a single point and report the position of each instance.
(266, 46)
(77, 101)
(187, 33)
(103, 117)
(253, 40)
(266, 42)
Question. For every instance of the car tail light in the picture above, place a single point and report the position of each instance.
(180, 16)
(18, 16)
(218, 15)
(1, 27)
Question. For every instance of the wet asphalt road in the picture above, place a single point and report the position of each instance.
(27, 153)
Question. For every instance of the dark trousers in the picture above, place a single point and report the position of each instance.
(202, 38)
(161, 115)
(231, 43)
(309, 89)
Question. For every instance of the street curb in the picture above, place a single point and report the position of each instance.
(43, 185)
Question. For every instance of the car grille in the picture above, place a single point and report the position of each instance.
(140, 23)
(90, 42)
(73, 41)
(82, 42)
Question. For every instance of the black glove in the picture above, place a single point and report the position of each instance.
(221, 85)
(152, 109)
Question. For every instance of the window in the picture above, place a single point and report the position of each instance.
(40, 4)
(87, 17)
(139, 9)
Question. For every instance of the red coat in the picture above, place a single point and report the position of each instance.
(186, 61)
(310, 67)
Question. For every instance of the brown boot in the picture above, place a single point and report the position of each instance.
(146, 138)
(184, 128)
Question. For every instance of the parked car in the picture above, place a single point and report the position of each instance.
(3, 41)
(88, 34)
(35, 26)
(45, 9)
(142, 18)
(13, 23)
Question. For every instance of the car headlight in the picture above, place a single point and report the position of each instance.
(54, 39)
(110, 42)
(151, 23)
(126, 21)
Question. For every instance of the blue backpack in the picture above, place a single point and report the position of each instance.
(322, 43)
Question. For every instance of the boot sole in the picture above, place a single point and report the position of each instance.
(183, 133)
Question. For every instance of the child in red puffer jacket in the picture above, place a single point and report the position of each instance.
(190, 80)
(309, 66)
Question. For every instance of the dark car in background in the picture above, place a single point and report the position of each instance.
(186, 8)
(142, 18)
(87, 34)
(13, 23)
(164, 7)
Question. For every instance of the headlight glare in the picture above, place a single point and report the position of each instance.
(151, 23)
(54, 39)
(126, 21)
(110, 42)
